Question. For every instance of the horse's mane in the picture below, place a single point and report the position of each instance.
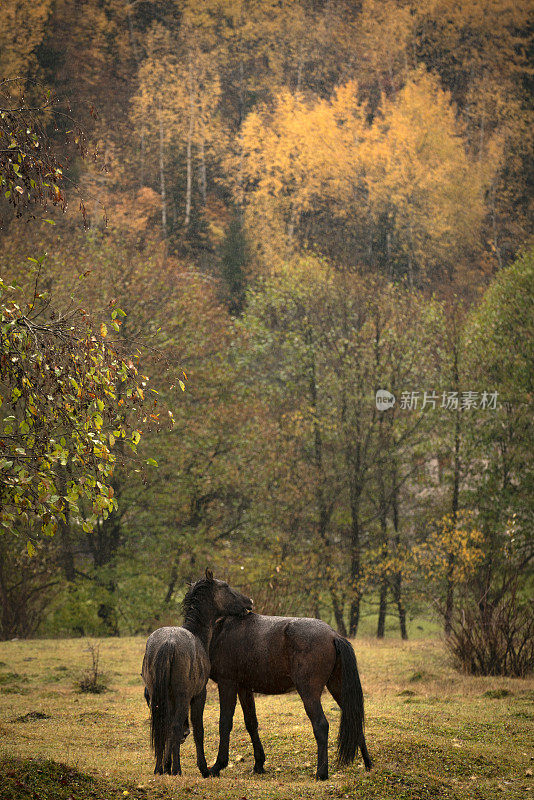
(194, 602)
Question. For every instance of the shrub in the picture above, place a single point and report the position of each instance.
(493, 637)
(93, 680)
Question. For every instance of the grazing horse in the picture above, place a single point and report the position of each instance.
(176, 669)
(273, 655)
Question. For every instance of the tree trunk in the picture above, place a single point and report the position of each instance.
(397, 593)
(496, 245)
(203, 177)
(299, 69)
(410, 254)
(449, 601)
(383, 508)
(354, 616)
(355, 570)
(137, 63)
(382, 609)
(162, 176)
(338, 612)
(397, 581)
(410, 271)
(143, 149)
(189, 163)
(315, 606)
(172, 583)
(241, 93)
(324, 509)
(108, 613)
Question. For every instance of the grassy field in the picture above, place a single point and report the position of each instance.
(432, 732)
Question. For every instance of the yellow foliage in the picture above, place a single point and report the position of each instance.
(178, 90)
(384, 42)
(409, 171)
(420, 178)
(300, 154)
(453, 549)
(134, 217)
(21, 31)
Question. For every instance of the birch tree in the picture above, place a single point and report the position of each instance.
(423, 190)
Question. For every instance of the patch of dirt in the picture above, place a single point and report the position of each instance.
(31, 716)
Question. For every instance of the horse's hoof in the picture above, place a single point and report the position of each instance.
(258, 769)
(214, 772)
(322, 777)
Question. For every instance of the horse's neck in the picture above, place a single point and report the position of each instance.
(202, 630)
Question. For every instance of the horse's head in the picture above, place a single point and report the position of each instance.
(209, 598)
(228, 602)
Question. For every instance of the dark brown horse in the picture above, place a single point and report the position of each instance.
(273, 655)
(176, 668)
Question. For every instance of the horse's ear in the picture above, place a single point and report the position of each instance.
(209, 575)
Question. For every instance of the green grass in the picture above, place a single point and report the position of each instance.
(432, 732)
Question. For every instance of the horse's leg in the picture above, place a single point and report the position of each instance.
(186, 731)
(246, 698)
(169, 751)
(179, 724)
(314, 710)
(176, 768)
(197, 721)
(227, 701)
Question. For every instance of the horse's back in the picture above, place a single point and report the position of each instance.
(312, 651)
(190, 666)
(180, 639)
(268, 654)
(306, 632)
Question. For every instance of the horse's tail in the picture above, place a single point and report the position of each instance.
(351, 734)
(160, 700)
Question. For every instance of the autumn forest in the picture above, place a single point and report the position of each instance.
(267, 306)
